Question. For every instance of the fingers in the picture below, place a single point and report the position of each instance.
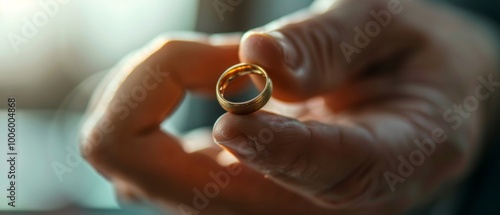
(141, 91)
(123, 141)
(351, 159)
(310, 53)
(329, 163)
(147, 87)
(158, 169)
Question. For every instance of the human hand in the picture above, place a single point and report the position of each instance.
(123, 140)
(393, 98)
(352, 120)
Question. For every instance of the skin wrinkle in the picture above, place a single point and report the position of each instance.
(293, 172)
(420, 169)
(390, 51)
(323, 64)
(439, 87)
(368, 177)
(430, 117)
(406, 113)
(379, 134)
(296, 169)
(433, 104)
(295, 64)
(391, 94)
(420, 131)
(332, 30)
(324, 42)
(367, 126)
(299, 166)
(385, 152)
(271, 163)
(311, 127)
(339, 35)
(359, 97)
(292, 59)
(310, 48)
(358, 174)
(341, 142)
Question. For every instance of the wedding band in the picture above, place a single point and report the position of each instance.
(246, 107)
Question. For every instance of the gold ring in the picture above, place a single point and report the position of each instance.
(249, 106)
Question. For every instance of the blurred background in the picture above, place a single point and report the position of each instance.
(53, 53)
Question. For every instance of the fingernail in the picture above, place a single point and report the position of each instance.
(240, 147)
(290, 55)
(280, 42)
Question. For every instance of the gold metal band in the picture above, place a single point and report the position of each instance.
(243, 107)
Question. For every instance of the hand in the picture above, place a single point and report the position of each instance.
(359, 109)
(394, 102)
(123, 141)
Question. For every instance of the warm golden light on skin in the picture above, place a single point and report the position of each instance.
(225, 158)
(197, 140)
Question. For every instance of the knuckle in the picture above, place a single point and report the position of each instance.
(299, 168)
(295, 161)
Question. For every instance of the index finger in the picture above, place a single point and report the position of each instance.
(148, 86)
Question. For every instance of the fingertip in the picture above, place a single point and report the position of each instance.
(230, 126)
(261, 48)
(222, 130)
(268, 50)
(260, 129)
(262, 140)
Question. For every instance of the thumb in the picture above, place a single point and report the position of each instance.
(331, 164)
(310, 53)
